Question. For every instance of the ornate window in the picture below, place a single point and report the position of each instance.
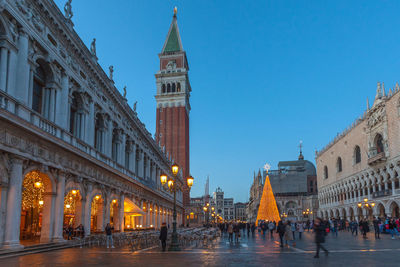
(178, 87)
(168, 88)
(39, 81)
(76, 119)
(173, 88)
(339, 164)
(325, 172)
(357, 155)
(163, 89)
(379, 143)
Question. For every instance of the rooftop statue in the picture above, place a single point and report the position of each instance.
(68, 10)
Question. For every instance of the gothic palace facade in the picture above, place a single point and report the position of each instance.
(72, 151)
(358, 173)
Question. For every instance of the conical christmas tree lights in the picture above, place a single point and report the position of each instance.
(268, 211)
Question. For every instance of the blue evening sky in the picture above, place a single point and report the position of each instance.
(264, 74)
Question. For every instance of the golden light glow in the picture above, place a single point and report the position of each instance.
(190, 181)
(38, 184)
(268, 209)
(71, 198)
(41, 202)
(114, 201)
(212, 208)
(208, 204)
(311, 212)
(175, 169)
(359, 204)
(372, 204)
(365, 199)
(205, 208)
(170, 183)
(74, 192)
(163, 178)
(128, 226)
(68, 206)
(97, 197)
(151, 225)
(366, 204)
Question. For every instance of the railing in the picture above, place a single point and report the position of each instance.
(376, 157)
(382, 193)
(12, 105)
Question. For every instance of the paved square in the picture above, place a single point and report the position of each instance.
(345, 250)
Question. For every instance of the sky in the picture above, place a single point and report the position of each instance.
(264, 74)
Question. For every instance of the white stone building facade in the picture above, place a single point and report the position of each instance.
(65, 126)
(358, 173)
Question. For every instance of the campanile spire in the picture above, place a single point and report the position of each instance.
(173, 106)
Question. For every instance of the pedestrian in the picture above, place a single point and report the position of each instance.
(280, 229)
(163, 236)
(253, 229)
(230, 232)
(289, 234)
(376, 227)
(271, 227)
(70, 231)
(300, 229)
(335, 227)
(248, 229)
(109, 238)
(236, 230)
(293, 229)
(320, 233)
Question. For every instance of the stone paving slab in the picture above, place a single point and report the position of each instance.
(254, 251)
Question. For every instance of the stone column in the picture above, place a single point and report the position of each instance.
(108, 142)
(22, 69)
(121, 156)
(63, 103)
(393, 187)
(107, 212)
(59, 218)
(87, 216)
(46, 232)
(14, 199)
(80, 212)
(3, 68)
(12, 73)
(3, 207)
(153, 218)
(121, 213)
(90, 124)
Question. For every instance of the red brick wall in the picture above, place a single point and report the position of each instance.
(175, 137)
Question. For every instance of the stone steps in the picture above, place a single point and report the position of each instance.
(6, 253)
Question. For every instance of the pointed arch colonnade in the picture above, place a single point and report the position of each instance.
(345, 199)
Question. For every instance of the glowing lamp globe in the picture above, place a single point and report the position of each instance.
(170, 183)
(74, 192)
(163, 179)
(190, 181)
(175, 169)
(38, 184)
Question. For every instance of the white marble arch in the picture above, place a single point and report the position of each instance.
(49, 201)
(100, 212)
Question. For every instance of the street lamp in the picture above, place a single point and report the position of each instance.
(172, 185)
(206, 209)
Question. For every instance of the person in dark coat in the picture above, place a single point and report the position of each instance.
(281, 231)
(163, 236)
(376, 228)
(320, 232)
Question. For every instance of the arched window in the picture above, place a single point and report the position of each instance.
(99, 130)
(325, 172)
(72, 115)
(357, 155)
(379, 143)
(76, 116)
(163, 89)
(173, 88)
(168, 88)
(178, 87)
(290, 213)
(39, 81)
(339, 164)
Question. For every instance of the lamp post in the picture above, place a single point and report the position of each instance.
(368, 204)
(172, 185)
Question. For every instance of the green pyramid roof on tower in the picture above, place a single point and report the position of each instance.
(172, 42)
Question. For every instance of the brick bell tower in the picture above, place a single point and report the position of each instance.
(173, 107)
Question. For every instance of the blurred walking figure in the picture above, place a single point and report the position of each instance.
(320, 233)
(300, 229)
(230, 232)
(289, 234)
(281, 231)
(271, 227)
(163, 235)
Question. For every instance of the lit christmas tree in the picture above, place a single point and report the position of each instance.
(268, 211)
